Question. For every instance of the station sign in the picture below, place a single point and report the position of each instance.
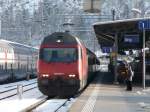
(132, 38)
(106, 49)
(144, 24)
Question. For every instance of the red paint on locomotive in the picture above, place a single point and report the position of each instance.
(57, 77)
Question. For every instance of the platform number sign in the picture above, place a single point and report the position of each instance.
(144, 24)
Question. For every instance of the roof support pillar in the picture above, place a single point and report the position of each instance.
(115, 57)
(144, 67)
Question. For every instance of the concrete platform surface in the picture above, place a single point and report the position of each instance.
(99, 97)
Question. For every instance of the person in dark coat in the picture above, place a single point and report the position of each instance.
(129, 78)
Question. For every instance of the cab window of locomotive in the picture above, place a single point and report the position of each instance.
(59, 54)
(41, 54)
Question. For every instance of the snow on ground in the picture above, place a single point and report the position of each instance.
(12, 92)
(146, 90)
(5, 87)
(31, 94)
(16, 105)
(143, 91)
(52, 105)
(66, 107)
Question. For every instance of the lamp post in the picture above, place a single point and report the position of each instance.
(113, 14)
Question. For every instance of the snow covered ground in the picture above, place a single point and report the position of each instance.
(17, 104)
(67, 105)
(50, 105)
(54, 104)
(29, 98)
(5, 87)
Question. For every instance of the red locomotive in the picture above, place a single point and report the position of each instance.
(62, 66)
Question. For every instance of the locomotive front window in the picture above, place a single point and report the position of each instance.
(59, 54)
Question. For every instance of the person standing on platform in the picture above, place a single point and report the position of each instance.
(129, 78)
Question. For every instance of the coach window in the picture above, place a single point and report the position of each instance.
(5, 66)
(26, 68)
(2, 67)
(18, 65)
(11, 66)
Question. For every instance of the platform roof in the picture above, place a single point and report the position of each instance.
(106, 31)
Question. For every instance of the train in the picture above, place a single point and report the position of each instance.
(17, 61)
(65, 65)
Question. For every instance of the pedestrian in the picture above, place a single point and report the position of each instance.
(129, 78)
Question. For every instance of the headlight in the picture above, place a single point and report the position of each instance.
(45, 75)
(72, 75)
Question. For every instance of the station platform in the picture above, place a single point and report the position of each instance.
(101, 96)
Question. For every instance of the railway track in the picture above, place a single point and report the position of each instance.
(54, 105)
(7, 93)
(57, 109)
(39, 102)
(15, 87)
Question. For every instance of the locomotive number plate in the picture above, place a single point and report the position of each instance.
(44, 81)
(58, 73)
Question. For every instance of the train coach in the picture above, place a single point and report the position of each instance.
(17, 61)
(64, 65)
